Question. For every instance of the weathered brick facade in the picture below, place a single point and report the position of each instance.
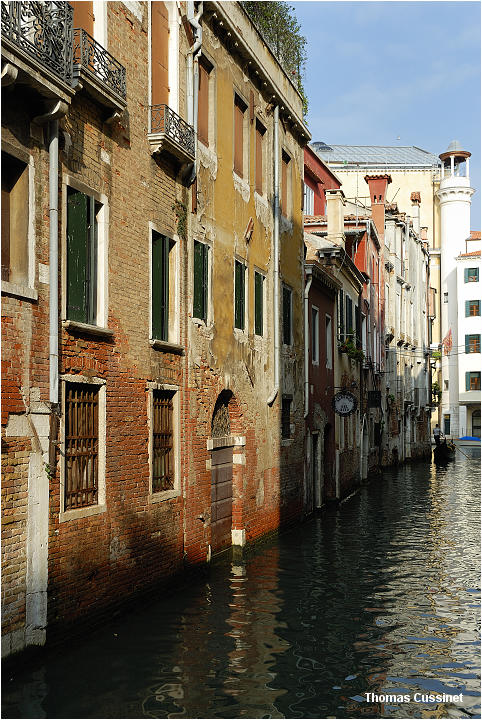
(81, 562)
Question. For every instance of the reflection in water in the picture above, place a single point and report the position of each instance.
(379, 596)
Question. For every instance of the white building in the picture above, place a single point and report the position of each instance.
(454, 195)
(469, 291)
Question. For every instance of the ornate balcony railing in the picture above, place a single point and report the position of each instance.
(42, 30)
(91, 57)
(178, 135)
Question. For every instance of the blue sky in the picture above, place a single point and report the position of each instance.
(379, 71)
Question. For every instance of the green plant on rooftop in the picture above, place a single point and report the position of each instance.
(277, 23)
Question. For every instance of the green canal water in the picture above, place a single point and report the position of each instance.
(380, 595)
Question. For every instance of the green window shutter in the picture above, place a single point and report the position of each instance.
(357, 327)
(466, 275)
(467, 380)
(200, 280)
(467, 343)
(239, 295)
(160, 286)
(258, 303)
(349, 315)
(467, 308)
(77, 256)
(341, 316)
(286, 316)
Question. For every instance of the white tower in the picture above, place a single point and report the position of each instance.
(454, 196)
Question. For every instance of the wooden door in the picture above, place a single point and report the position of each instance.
(221, 498)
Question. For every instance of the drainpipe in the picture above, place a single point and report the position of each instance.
(307, 345)
(276, 347)
(54, 260)
(193, 75)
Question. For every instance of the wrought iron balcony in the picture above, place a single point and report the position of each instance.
(37, 41)
(104, 77)
(169, 132)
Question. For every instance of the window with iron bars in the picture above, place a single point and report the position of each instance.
(81, 445)
(162, 445)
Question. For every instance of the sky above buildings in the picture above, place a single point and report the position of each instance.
(395, 73)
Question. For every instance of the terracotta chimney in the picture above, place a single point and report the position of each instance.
(378, 187)
(335, 201)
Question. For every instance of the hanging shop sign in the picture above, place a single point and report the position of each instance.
(344, 403)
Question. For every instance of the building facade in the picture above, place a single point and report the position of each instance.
(149, 289)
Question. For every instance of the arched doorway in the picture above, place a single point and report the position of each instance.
(221, 474)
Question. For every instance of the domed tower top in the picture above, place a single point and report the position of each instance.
(455, 162)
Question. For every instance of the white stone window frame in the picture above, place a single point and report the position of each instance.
(156, 497)
(241, 334)
(102, 217)
(101, 505)
(210, 149)
(209, 322)
(174, 331)
(28, 291)
(242, 182)
(258, 120)
(309, 199)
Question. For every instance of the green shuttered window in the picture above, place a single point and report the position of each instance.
(341, 318)
(258, 303)
(200, 301)
(160, 286)
(349, 315)
(287, 316)
(472, 308)
(239, 292)
(472, 343)
(472, 381)
(81, 257)
(471, 274)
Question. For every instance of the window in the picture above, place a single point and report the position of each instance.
(472, 308)
(471, 274)
(315, 336)
(446, 384)
(81, 445)
(308, 200)
(287, 315)
(83, 266)
(239, 114)
(341, 318)
(161, 248)
(260, 131)
(285, 417)
(205, 68)
(349, 316)
(476, 423)
(258, 303)
(285, 183)
(239, 294)
(472, 381)
(329, 342)
(446, 424)
(15, 219)
(162, 441)
(472, 343)
(201, 274)
(159, 54)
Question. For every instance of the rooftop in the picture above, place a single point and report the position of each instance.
(345, 156)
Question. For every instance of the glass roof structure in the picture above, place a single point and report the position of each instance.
(375, 156)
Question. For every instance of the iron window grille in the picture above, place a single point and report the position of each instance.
(92, 57)
(472, 381)
(81, 445)
(472, 343)
(472, 308)
(42, 30)
(471, 275)
(163, 449)
(285, 418)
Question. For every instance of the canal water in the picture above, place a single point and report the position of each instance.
(380, 595)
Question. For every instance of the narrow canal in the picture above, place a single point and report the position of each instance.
(378, 596)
